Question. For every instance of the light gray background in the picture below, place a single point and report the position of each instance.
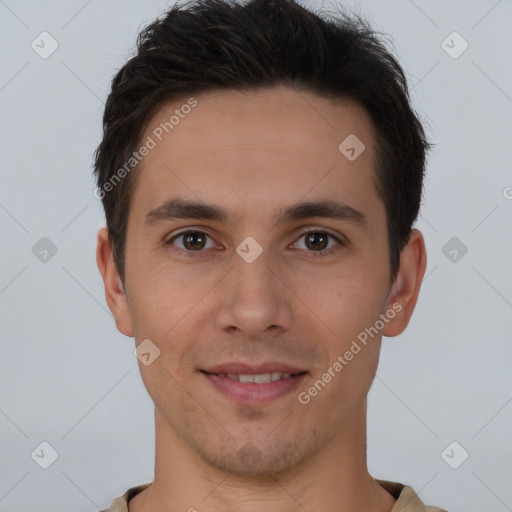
(69, 378)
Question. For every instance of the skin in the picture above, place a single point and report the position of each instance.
(254, 153)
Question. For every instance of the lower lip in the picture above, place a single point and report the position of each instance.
(250, 392)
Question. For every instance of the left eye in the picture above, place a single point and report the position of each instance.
(318, 241)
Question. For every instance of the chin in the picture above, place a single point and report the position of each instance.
(265, 459)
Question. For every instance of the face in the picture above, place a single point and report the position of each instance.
(252, 283)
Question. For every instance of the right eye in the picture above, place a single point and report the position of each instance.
(192, 240)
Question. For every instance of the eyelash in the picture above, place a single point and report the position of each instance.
(316, 254)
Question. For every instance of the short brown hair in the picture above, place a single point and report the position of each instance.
(211, 44)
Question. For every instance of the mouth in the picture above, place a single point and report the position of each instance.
(254, 388)
(258, 378)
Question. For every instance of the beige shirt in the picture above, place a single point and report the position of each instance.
(407, 499)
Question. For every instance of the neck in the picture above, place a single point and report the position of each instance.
(335, 478)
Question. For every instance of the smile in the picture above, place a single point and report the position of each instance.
(258, 378)
(254, 388)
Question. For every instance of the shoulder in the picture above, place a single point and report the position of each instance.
(406, 498)
(120, 504)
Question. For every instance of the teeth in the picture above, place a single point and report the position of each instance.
(264, 377)
(259, 378)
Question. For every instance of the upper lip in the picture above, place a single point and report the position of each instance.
(253, 369)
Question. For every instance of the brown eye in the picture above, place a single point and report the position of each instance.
(191, 241)
(317, 240)
(194, 241)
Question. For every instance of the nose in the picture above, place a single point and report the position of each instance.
(254, 300)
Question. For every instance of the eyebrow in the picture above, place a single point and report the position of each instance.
(180, 208)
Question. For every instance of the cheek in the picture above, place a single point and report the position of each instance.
(347, 300)
(168, 307)
(350, 306)
(167, 388)
(162, 295)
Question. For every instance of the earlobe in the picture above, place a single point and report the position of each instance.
(114, 292)
(405, 290)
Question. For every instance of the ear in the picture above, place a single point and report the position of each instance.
(406, 287)
(114, 293)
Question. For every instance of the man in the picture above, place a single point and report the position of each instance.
(261, 169)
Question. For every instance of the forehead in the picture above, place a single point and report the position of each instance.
(256, 148)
